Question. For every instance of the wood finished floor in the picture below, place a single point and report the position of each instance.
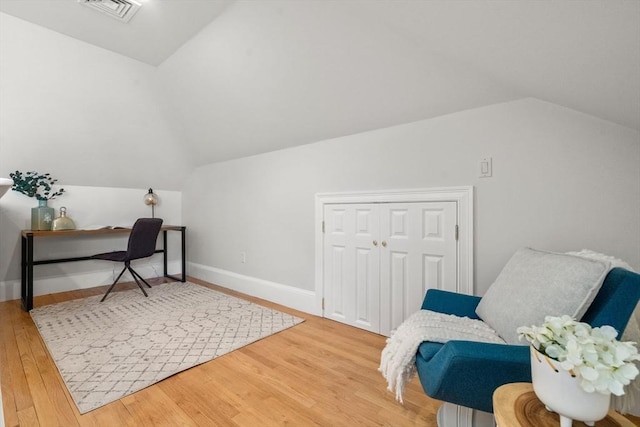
(319, 373)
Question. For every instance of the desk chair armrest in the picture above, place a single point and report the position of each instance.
(451, 303)
(467, 372)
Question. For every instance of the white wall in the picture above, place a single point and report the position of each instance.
(562, 180)
(86, 206)
(95, 120)
(87, 115)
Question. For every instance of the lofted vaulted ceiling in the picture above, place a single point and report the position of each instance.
(270, 75)
(246, 77)
(154, 33)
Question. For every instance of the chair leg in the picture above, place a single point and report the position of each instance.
(114, 284)
(134, 274)
(139, 277)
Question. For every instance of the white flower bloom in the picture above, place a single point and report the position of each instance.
(603, 363)
(553, 351)
(626, 351)
(626, 373)
(588, 373)
(607, 359)
(591, 356)
(606, 332)
(616, 388)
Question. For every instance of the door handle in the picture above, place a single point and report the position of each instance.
(384, 244)
(375, 243)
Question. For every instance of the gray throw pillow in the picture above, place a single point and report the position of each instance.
(535, 284)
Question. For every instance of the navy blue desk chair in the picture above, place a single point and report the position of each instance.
(142, 244)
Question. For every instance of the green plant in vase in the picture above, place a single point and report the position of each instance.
(40, 186)
(34, 184)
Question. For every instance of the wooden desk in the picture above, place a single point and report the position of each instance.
(516, 405)
(28, 240)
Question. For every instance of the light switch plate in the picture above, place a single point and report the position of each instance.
(486, 167)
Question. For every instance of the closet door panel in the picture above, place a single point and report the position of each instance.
(351, 270)
(439, 246)
(423, 235)
(335, 271)
(396, 304)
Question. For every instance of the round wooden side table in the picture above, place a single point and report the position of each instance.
(516, 405)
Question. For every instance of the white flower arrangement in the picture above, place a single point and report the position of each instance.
(603, 363)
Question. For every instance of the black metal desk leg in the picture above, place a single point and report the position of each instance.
(29, 271)
(183, 232)
(26, 280)
(23, 272)
(164, 248)
(166, 255)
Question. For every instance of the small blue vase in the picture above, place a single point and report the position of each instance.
(42, 216)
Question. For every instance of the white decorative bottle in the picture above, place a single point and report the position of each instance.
(63, 222)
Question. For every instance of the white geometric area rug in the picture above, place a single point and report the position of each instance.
(105, 351)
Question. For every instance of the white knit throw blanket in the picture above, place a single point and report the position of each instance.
(397, 362)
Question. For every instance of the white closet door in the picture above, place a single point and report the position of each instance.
(352, 265)
(380, 259)
(418, 252)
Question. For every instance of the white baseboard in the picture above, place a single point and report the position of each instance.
(10, 289)
(289, 296)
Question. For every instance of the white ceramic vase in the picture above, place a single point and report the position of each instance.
(561, 393)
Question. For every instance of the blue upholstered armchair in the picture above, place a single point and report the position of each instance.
(467, 373)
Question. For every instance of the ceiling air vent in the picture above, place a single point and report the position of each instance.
(122, 10)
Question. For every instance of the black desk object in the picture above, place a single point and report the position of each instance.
(28, 239)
